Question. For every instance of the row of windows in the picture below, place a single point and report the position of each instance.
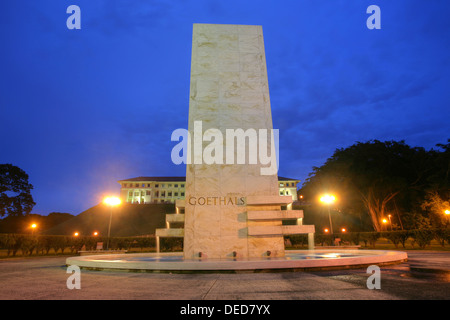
(148, 185)
(170, 185)
(154, 201)
(287, 184)
(156, 194)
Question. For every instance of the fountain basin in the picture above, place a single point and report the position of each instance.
(294, 260)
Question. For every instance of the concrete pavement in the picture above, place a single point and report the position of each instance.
(426, 275)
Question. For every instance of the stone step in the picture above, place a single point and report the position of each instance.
(279, 230)
(180, 203)
(274, 215)
(175, 217)
(176, 233)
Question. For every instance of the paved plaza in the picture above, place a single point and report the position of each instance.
(425, 276)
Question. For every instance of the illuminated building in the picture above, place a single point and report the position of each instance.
(168, 189)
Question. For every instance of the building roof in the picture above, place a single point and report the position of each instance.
(287, 179)
(155, 179)
(175, 179)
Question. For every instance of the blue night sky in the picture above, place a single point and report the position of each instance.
(81, 109)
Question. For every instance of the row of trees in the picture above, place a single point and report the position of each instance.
(376, 180)
(422, 238)
(44, 244)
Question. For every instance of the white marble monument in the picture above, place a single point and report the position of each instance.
(232, 206)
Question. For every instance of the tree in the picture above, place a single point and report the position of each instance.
(437, 197)
(15, 191)
(377, 176)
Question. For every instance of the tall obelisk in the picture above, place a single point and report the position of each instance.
(230, 208)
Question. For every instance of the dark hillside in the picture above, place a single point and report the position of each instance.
(127, 220)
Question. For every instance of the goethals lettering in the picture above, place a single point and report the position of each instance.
(217, 201)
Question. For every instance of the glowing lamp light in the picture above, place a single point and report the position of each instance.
(328, 199)
(112, 201)
(76, 234)
(384, 221)
(33, 227)
(344, 230)
(95, 233)
(326, 230)
(447, 211)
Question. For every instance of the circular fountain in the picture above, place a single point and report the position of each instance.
(293, 260)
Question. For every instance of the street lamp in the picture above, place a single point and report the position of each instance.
(33, 227)
(328, 200)
(384, 220)
(112, 202)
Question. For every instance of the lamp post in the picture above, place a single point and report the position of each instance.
(33, 227)
(328, 200)
(112, 202)
(384, 220)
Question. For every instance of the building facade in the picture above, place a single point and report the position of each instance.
(169, 189)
